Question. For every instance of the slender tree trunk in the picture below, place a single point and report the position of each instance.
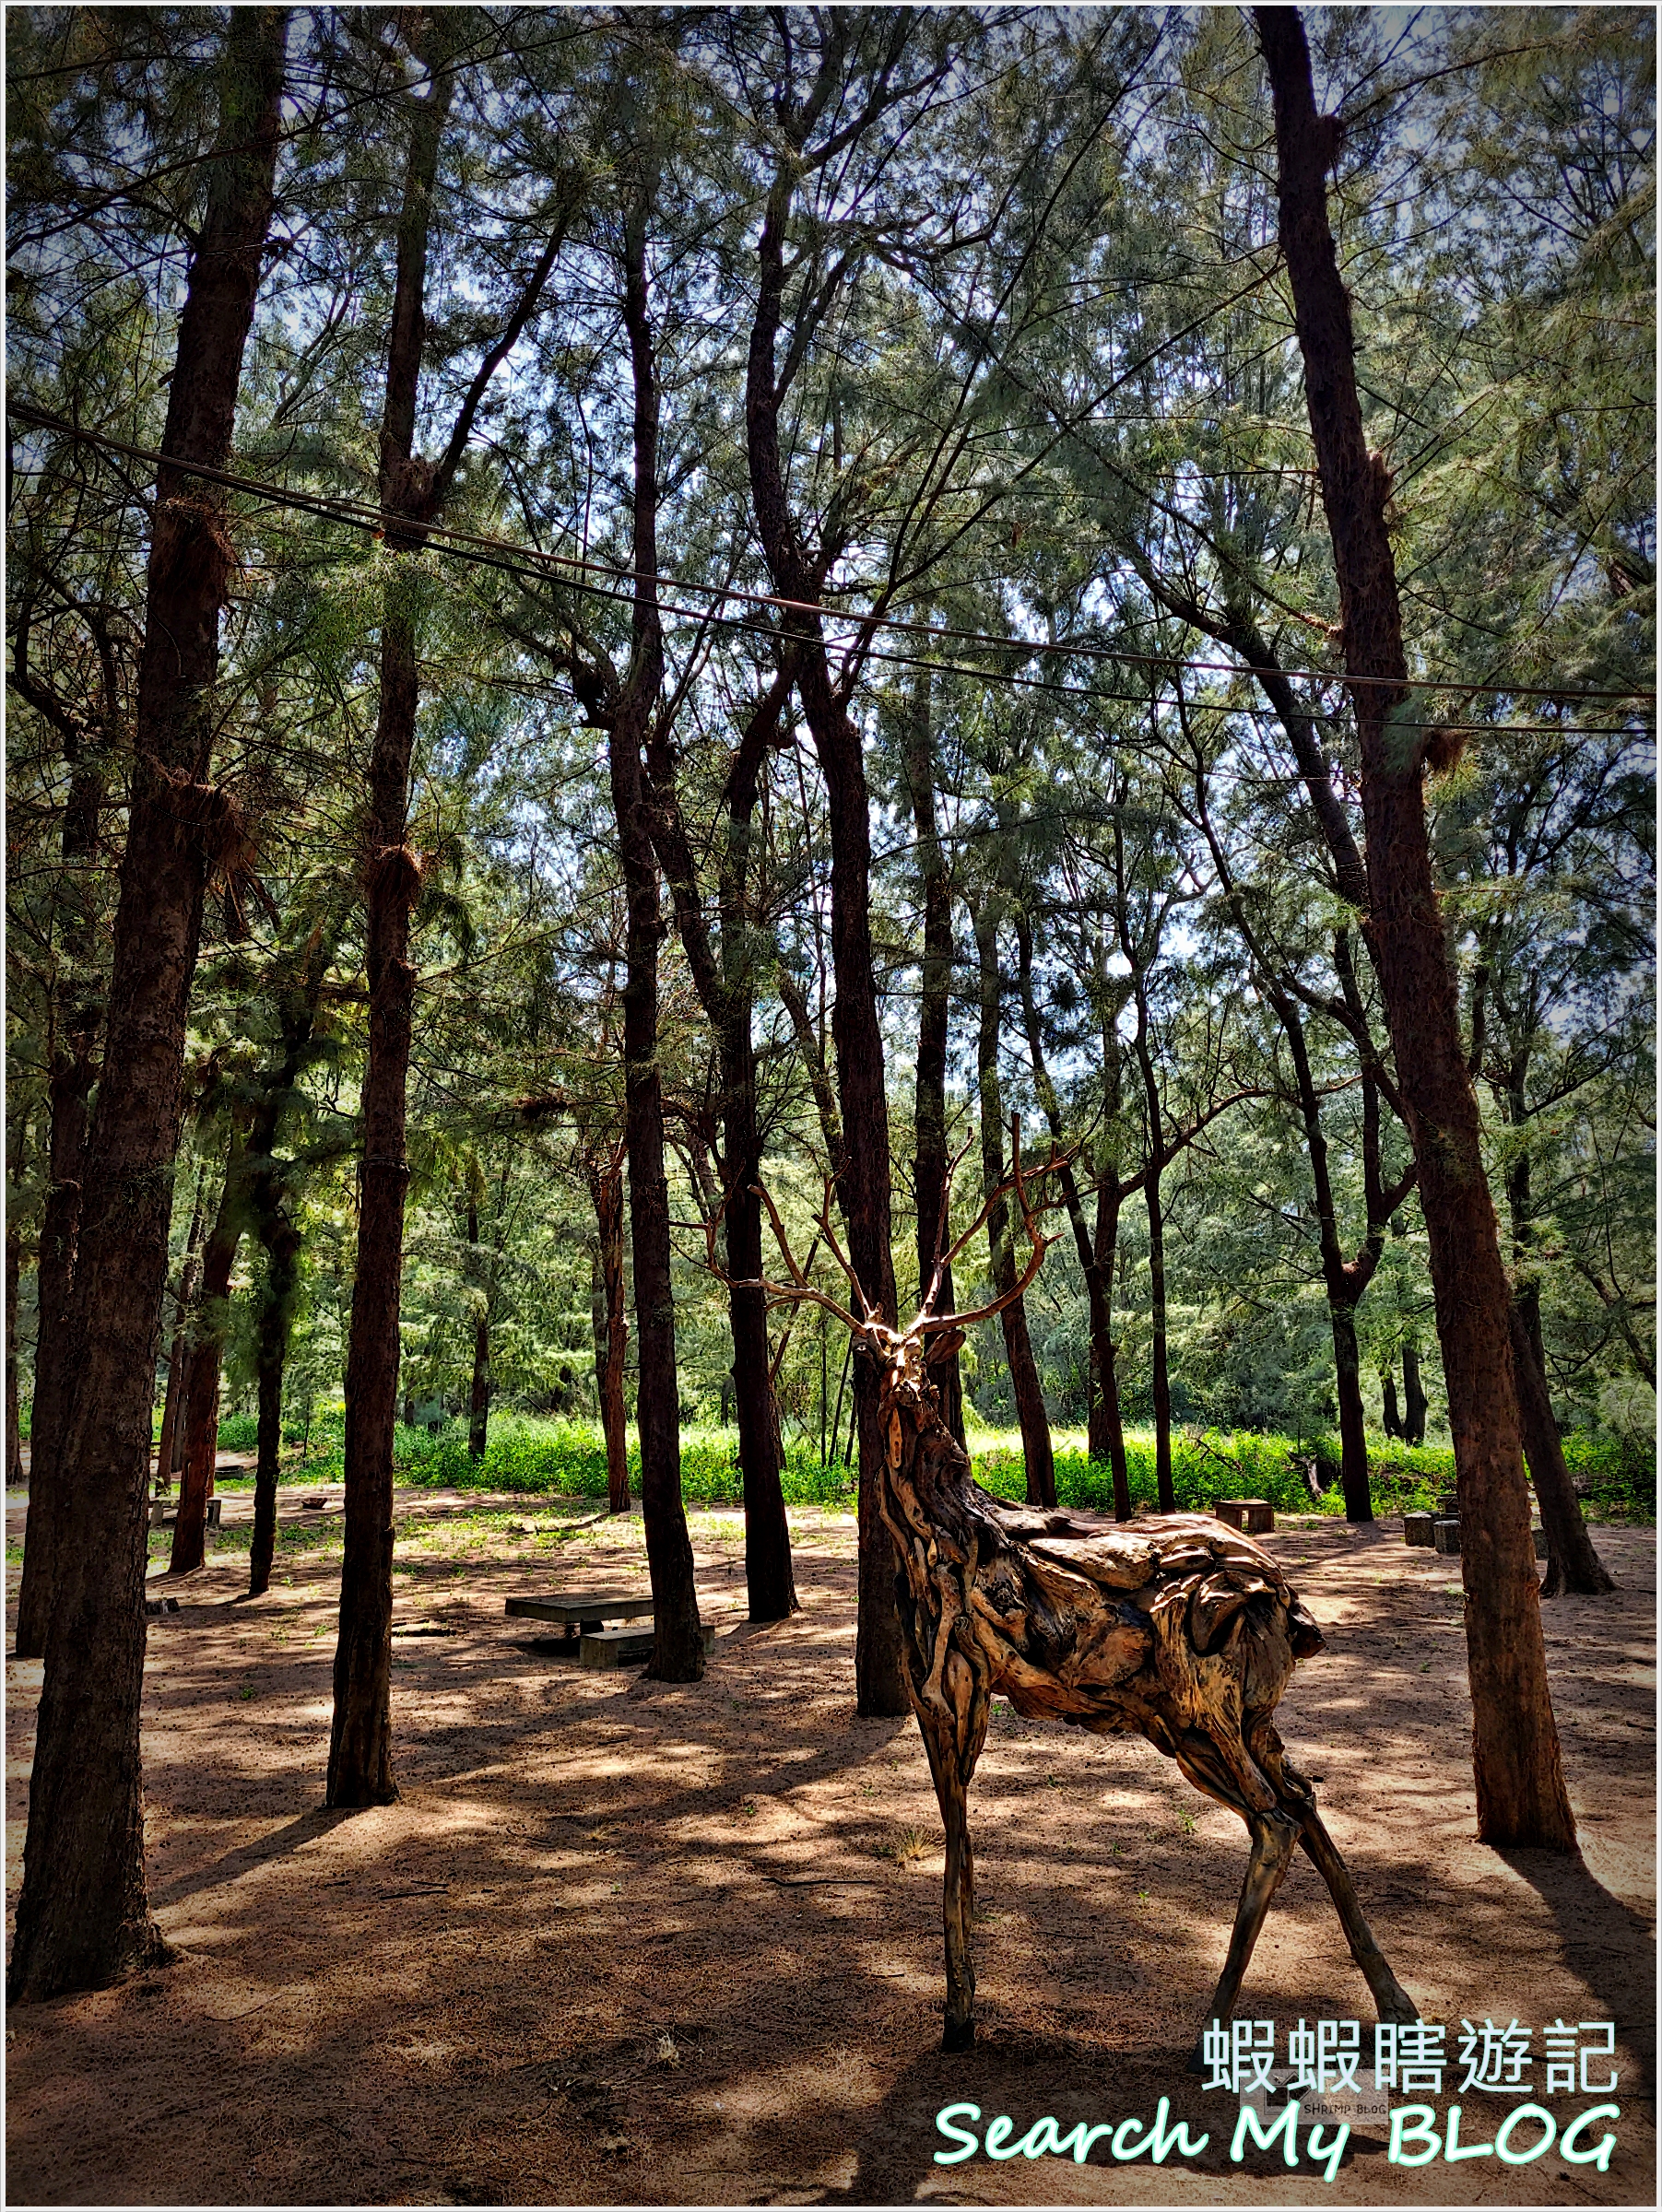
(879, 1676)
(479, 1403)
(677, 1646)
(273, 1327)
(1519, 1774)
(1109, 1441)
(726, 981)
(14, 1435)
(72, 1071)
(1393, 1419)
(1413, 1397)
(200, 1411)
(611, 1329)
(932, 1165)
(361, 1748)
(167, 1449)
(1018, 1346)
(1572, 1562)
(83, 1917)
(1352, 1413)
(1096, 1265)
(1339, 1281)
(1161, 1374)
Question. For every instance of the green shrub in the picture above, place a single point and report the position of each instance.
(528, 1457)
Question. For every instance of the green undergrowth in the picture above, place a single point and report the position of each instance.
(532, 1458)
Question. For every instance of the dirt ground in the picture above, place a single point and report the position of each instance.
(622, 1942)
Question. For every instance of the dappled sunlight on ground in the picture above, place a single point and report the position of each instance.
(628, 1941)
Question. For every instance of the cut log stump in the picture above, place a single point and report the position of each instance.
(1252, 1516)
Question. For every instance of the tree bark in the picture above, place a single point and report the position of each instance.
(200, 1414)
(168, 1445)
(677, 1644)
(83, 1917)
(1160, 1373)
(273, 1326)
(360, 1749)
(879, 1677)
(1519, 1775)
(1107, 1435)
(611, 1326)
(14, 1435)
(931, 1171)
(478, 1402)
(72, 1071)
(1095, 1252)
(1572, 1562)
(1036, 1449)
(1413, 1398)
(724, 979)
(1392, 1418)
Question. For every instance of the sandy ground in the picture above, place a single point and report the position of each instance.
(638, 1942)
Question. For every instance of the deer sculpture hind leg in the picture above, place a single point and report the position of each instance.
(1298, 1797)
(952, 1738)
(951, 1695)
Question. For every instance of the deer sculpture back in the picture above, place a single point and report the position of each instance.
(1176, 1628)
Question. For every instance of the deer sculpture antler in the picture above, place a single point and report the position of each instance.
(1176, 1627)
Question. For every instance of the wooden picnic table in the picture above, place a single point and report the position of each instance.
(585, 1616)
(584, 1621)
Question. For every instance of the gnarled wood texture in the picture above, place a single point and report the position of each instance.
(1176, 1628)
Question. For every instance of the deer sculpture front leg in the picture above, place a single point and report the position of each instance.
(951, 1684)
(952, 1740)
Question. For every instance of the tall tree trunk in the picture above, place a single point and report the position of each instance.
(168, 1445)
(1519, 1774)
(360, 1745)
(1096, 1265)
(931, 1175)
(724, 979)
(1339, 1278)
(1393, 1419)
(611, 1327)
(274, 1325)
(14, 1435)
(677, 1644)
(83, 1917)
(478, 1402)
(1413, 1397)
(1160, 1372)
(879, 1677)
(72, 1070)
(1024, 1369)
(200, 1412)
(1572, 1562)
(1108, 1440)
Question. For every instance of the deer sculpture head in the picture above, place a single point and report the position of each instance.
(1176, 1627)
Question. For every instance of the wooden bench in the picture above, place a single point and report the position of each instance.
(1252, 1516)
(624, 1647)
(581, 1615)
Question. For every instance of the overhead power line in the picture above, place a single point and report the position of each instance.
(527, 561)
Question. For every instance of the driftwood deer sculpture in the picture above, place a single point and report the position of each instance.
(1176, 1627)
